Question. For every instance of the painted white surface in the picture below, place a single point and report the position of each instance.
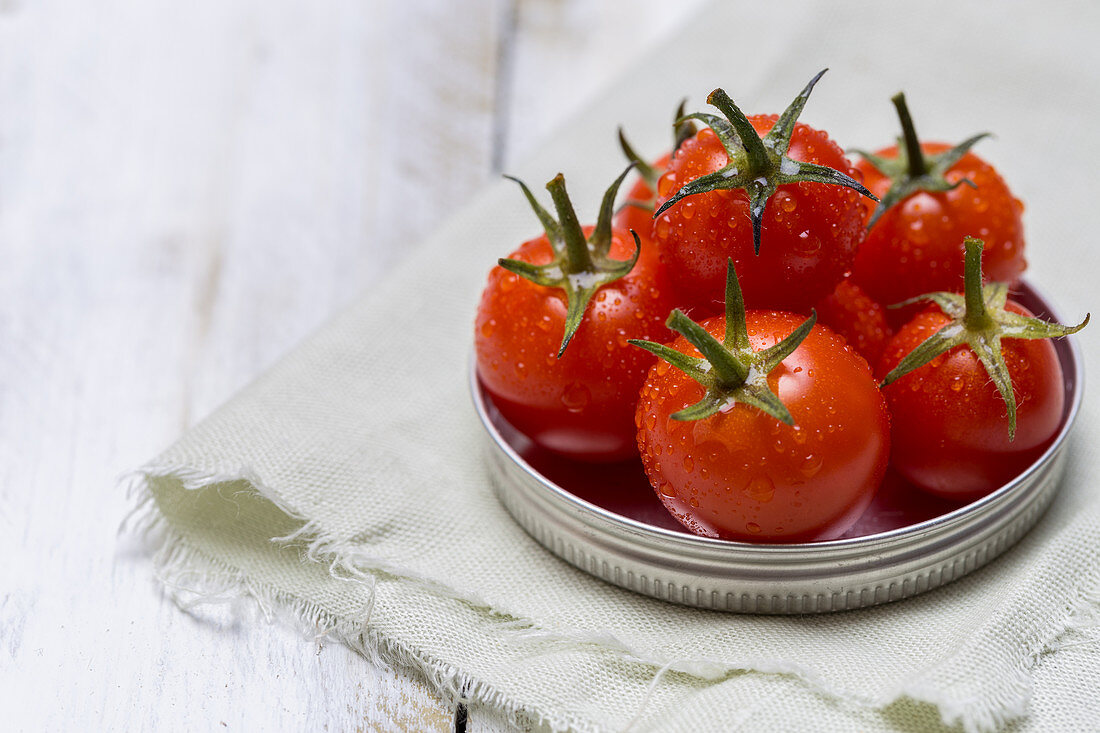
(186, 191)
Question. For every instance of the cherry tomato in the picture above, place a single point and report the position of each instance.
(950, 423)
(858, 318)
(582, 404)
(975, 388)
(637, 211)
(742, 474)
(915, 244)
(810, 231)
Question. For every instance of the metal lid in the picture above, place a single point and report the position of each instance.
(597, 519)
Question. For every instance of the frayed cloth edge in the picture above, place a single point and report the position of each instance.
(175, 560)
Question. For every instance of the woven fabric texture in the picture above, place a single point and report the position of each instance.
(345, 488)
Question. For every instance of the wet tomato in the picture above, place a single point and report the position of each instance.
(789, 447)
(576, 395)
(933, 196)
(975, 388)
(857, 317)
(637, 210)
(784, 207)
(950, 424)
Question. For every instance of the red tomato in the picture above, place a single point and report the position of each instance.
(582, 404)
(637, 211)
(858, 318)
(810, 231)
(742, 474)
(915, 245)
(950, 424)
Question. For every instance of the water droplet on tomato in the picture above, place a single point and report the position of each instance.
(760, 489)
(687, 209)
(689, 464)
(575, 397)
(753, 527)
(661, 227)
(811, 465)
(487, 327)
(521, 369)
(807, 244)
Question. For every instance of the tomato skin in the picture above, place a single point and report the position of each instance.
(916, 247)
(949, 422)
(857, 317)
(636, 217)
(743, 475)
(580, 405)
(809, 235)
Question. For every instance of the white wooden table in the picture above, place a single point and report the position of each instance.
(186, 191)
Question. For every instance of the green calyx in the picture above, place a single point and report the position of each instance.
(581, 265)
(758, 165)
(979, 320)
(912, 170)
(729, 370)
(682, 129)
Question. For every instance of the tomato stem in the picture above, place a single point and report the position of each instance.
(977, 317)
(730, 370)
(912, 170)
(757, 165)
(577, 258)
(913, 153)
(581, 265)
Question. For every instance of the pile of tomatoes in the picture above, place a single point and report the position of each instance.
(733, 324)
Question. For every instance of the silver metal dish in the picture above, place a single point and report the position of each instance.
(607, 521)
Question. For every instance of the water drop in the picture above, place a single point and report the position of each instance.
(811, 465)
(761, 489)
(576, 397)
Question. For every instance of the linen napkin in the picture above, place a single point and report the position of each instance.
(345, 488)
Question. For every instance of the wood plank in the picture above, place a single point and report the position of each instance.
(186, 191)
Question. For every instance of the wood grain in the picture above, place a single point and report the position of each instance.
(186, 191)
